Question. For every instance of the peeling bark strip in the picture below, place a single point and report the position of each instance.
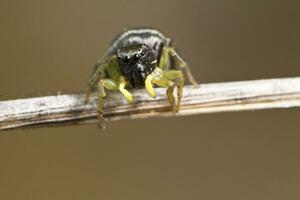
(205, 98)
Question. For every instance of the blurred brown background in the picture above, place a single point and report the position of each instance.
(50, 46)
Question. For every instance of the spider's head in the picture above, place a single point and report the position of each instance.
(136, 62)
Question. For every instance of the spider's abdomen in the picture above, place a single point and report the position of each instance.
(151, 37)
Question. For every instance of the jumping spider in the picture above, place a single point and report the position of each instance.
(137, 58)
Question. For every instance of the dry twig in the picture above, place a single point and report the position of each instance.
(206, 98)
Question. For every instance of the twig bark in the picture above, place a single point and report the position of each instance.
(205, 98)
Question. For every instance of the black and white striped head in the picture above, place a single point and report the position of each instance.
(136, 62)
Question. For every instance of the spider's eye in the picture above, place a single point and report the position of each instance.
(142, 53)
(126, 59)
(135, 57)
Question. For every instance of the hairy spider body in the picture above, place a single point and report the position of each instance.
(137, 58)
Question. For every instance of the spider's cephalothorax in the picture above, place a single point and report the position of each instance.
(136, 62)
(137, 58)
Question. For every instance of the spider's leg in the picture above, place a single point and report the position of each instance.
(114, 73)
(169, 92)
(96, 75)
(106, 69)
(104, 84)
(124, 91)
(149, 85)
(157, 78)
(176, 76)
(183, 65)
(166, 79)
(164, 61)
(115, 82)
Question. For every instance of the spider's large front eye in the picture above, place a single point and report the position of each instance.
(135, 57)
(125, 59)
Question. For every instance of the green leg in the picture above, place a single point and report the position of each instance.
(166, 79)
(109, 65)
(176, 75)
(110, 84)
(183, 64)
(149, 85)
(169, 92)
(126, 93)
(164, 61)
(104, 84)
(115, 82)
(96, 75)
(92, 81)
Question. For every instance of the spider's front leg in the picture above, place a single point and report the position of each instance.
(112, 81)
(166, 79)
(165, 62)
(110, 84)
(163, 76)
